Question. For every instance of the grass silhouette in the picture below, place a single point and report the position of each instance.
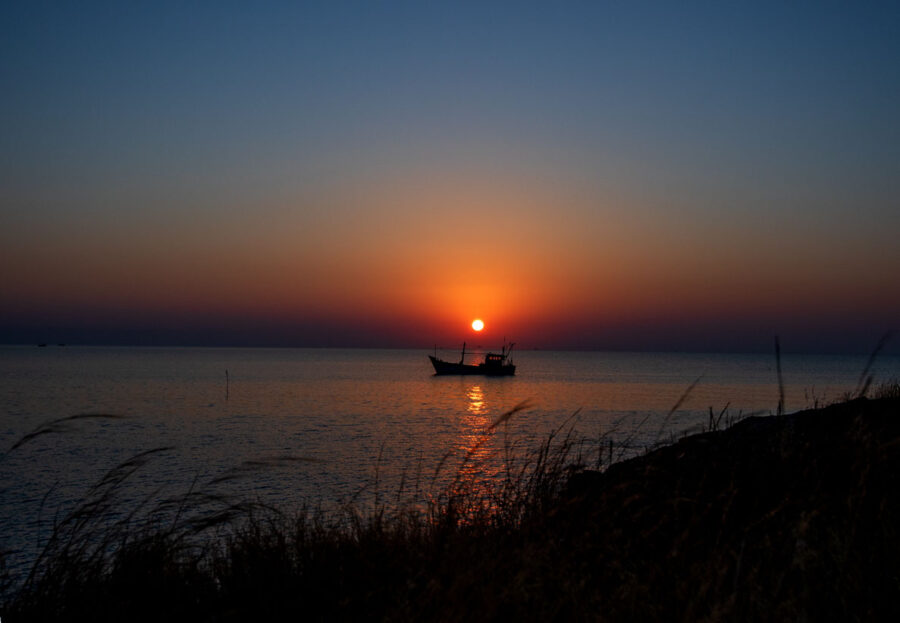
(785, 517)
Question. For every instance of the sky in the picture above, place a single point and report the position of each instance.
(580, 175)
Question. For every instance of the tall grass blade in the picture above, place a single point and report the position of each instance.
(684, 396)
(60, 425)
(780, 410)
(865, 379)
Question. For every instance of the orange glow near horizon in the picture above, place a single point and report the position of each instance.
(313, 268)
(393, 186)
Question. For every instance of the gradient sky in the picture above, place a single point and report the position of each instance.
(629, 175)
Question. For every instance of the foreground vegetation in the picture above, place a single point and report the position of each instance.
(789, 517)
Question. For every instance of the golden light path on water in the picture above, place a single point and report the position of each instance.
(480, 457)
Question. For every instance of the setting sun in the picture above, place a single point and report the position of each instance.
(478, 325)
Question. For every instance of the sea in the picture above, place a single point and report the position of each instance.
(333, 428)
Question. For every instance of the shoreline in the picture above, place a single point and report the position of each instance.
(785, 517)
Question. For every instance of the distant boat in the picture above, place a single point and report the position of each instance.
(493, 364)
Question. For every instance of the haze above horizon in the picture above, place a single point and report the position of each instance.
(592, 176)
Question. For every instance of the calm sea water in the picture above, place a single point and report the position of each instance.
(362, 420)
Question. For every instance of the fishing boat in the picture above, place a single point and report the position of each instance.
(493, 364)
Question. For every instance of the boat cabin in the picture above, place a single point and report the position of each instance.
(493, 364)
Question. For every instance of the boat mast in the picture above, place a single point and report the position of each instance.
(463, 354)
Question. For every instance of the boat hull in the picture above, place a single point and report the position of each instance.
(442, 367)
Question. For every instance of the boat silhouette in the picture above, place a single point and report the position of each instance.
(493, 365)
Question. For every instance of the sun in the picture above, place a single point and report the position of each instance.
(477, 324)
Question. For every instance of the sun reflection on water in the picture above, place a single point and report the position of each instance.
(480, 459)
(476, 404)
